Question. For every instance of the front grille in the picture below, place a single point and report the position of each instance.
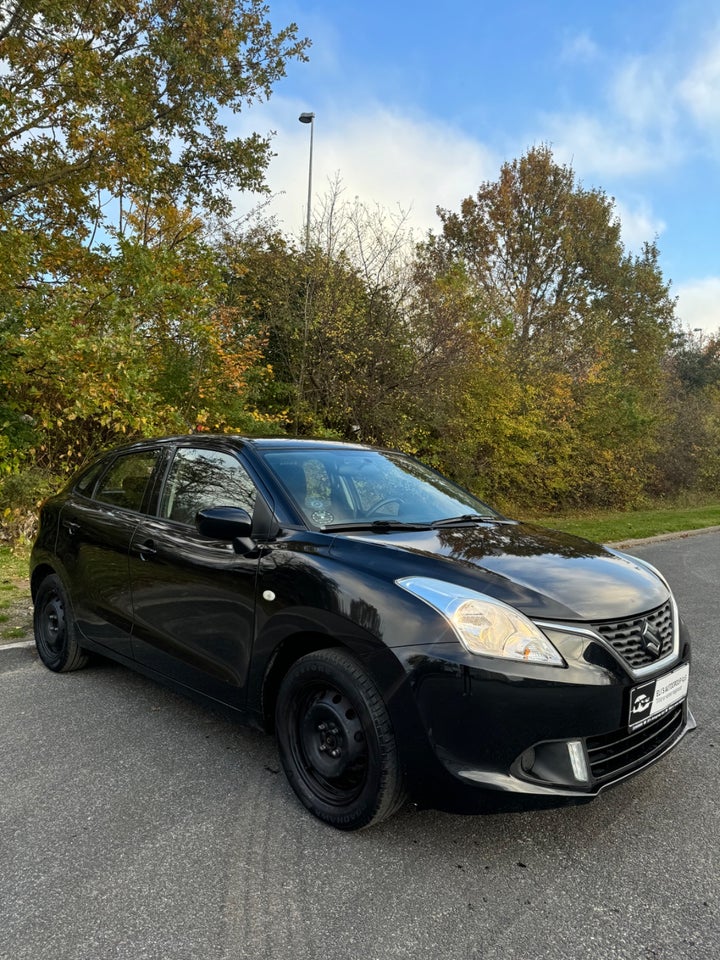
(624, 636)
(614, 754)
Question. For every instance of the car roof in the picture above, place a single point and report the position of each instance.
(237, 440)
(302, 443)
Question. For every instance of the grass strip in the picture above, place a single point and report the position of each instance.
(613, 526)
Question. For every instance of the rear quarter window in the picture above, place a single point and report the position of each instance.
(125, 483)
(85, 484)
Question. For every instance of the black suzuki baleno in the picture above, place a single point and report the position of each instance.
(400, 637)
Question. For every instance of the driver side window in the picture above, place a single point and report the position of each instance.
(201, 478)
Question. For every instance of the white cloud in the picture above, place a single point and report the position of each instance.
(606, 146)
(700, 89)
(413, 164)
(655, 112)
(579, 48)
(699, 304)
(642, 92)
(638, 224)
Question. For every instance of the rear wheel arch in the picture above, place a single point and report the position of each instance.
(56, 636)
(40, 573)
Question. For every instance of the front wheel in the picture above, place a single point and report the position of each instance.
(55, 632)
(336, 741)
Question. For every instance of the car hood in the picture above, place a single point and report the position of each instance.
(544, 573)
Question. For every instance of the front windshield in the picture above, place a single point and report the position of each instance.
(337, 487)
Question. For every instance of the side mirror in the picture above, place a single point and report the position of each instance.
(224, 523)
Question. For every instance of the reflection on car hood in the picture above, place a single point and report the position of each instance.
(544, 573)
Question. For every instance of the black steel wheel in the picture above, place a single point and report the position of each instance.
(55, 632)
(336, 741)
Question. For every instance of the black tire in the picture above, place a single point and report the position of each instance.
(336, 742)
(55, 630)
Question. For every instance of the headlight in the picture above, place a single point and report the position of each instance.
(484, 625)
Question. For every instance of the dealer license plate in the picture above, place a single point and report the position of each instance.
(650, 699)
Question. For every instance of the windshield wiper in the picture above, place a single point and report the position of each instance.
(379, 525)
(466, 518)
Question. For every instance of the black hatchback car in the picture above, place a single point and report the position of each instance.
(400, 637)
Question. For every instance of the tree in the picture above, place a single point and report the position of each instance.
(114, 152)
(126, 99)
(546, 255)
(335, 315)
(688, 458)
(142, 346)
(564, 403)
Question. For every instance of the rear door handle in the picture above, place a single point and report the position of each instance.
(147, 549)
(71, 527)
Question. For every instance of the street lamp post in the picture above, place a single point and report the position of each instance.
(308, 118)
(305, 118)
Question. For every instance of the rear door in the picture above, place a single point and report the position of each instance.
(194, 597)
(95, 531)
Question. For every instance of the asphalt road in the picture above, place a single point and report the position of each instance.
(135, 824)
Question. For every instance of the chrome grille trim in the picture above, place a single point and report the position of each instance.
(623, 637)
(669, 654)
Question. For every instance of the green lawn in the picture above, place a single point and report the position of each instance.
(609, 527)
(13, 566)
(15, 612)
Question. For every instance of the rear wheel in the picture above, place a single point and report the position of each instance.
(336, 741)
(55, 631)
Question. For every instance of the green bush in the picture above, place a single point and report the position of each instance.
(21, 494)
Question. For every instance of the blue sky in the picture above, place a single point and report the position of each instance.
(417, 103)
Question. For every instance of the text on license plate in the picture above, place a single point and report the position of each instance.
(656, 696)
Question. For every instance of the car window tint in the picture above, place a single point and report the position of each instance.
(126, 480)
(205, 478)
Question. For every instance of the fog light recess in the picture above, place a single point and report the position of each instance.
(557, 763)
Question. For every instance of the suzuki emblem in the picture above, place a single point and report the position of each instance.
(650, 641)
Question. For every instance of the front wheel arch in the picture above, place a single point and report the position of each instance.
(336, 741)
(295, 647)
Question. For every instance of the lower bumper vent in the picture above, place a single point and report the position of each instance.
(614, 754)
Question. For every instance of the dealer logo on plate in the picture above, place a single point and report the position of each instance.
(641, 701)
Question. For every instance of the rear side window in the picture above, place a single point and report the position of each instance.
(126, 481)
(205, 478)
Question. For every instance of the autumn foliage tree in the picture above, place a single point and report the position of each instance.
(689, 456)
(335, 316)
(564, 403)
(522, 349)
(128, 97)
(114, 151)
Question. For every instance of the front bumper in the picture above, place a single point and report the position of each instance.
(532, 731)
(549, 768)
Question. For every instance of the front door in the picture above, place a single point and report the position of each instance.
(193, 597)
